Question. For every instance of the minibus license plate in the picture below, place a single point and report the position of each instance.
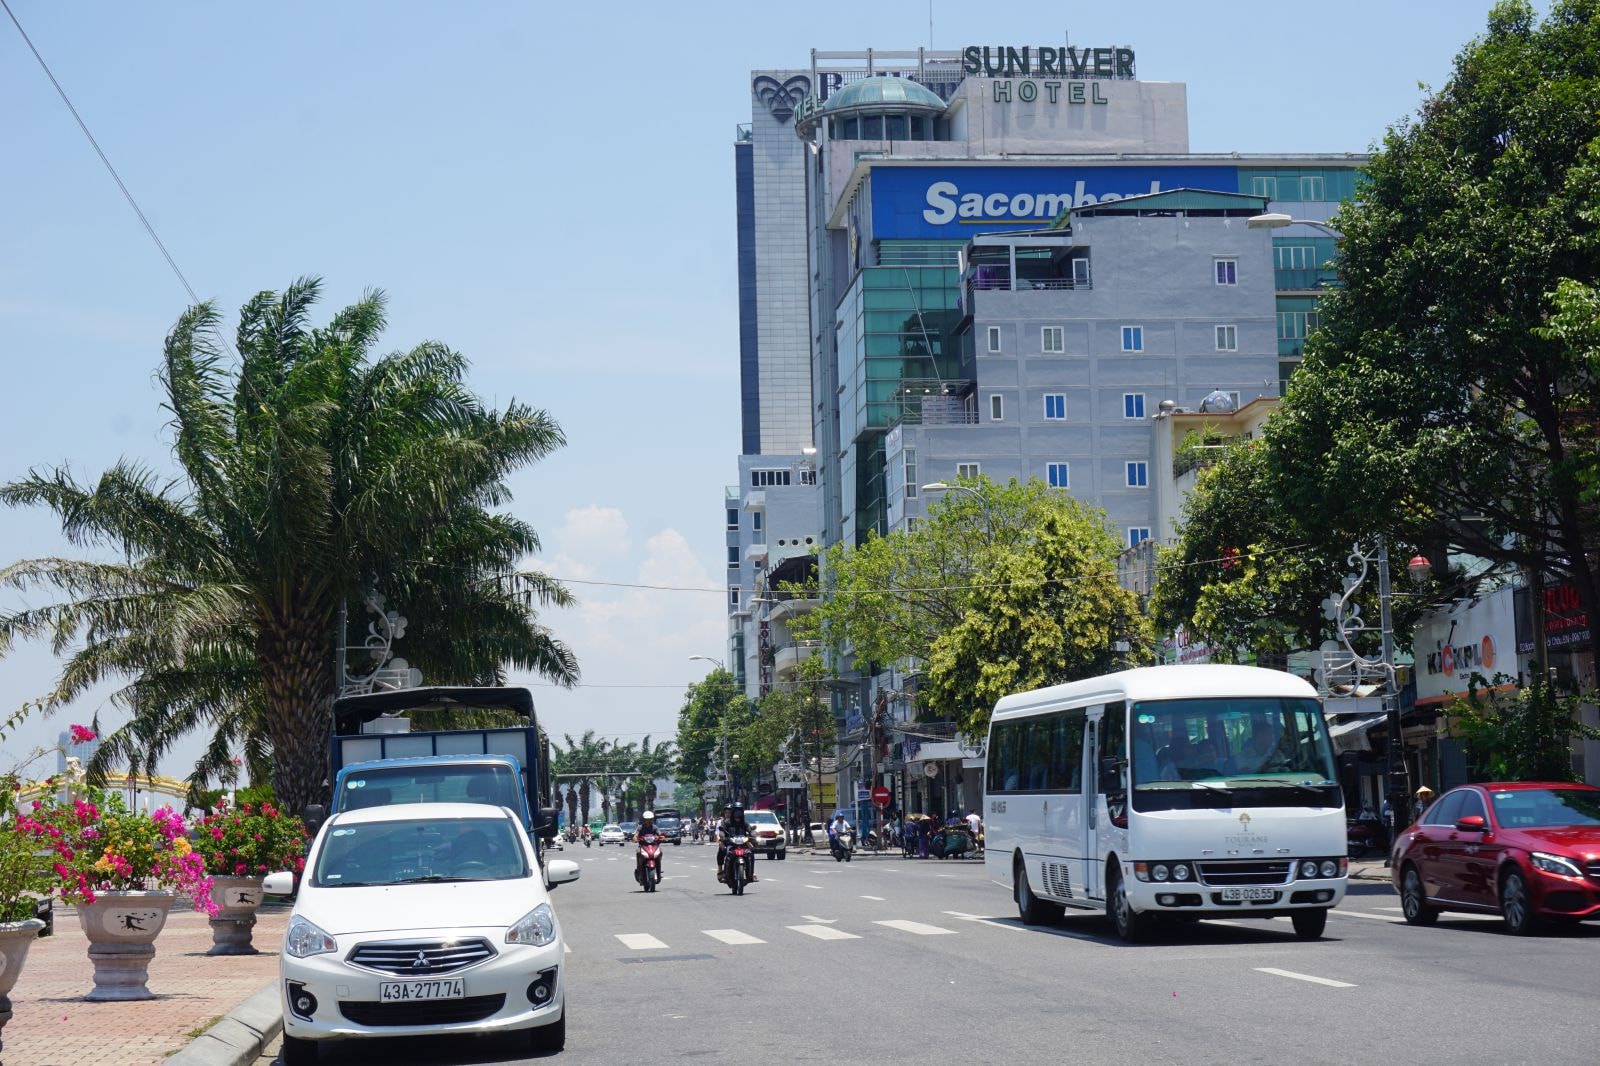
(1249, 893)
(410, 991)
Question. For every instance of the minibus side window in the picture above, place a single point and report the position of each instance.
(1067, 770)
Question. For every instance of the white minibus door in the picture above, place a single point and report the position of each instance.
(1094, 869)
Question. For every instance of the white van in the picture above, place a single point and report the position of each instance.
(1185, 791)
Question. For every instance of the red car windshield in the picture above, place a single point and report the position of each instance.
(1546, 807)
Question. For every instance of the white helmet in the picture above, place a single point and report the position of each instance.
(647, 816)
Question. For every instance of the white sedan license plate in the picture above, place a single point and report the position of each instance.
(1249, 893)
(411, 991)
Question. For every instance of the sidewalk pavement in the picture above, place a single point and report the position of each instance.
(1369, 870)
(54, 1026)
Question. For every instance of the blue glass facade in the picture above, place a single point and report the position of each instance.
(749, 377)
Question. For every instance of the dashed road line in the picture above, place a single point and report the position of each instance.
(819, 921)
(918, 928)
(823, 932)
(814, 886)
(732, 936)
(639, 941)
(875, 899)
(1303, 977)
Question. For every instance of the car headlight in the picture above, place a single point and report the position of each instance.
(1330, 868)
(305, 939)
(1308, 868)
(1159, 872)
(1180, 872)
(537, 927)
(1555, 864)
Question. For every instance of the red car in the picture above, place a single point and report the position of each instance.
(1527, 850)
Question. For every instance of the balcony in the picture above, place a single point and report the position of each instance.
(935, 402)
(787, 659)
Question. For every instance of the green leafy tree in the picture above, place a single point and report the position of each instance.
(581, 764)
(1445, 399)
(971, 592)
(312, 474)
(1521, 735)
(707, 705)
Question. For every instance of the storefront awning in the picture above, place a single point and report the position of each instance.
(1349, 733)
(944, 750)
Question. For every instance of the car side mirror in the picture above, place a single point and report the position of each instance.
(1472, 823)
(278, 884)
(560, 871)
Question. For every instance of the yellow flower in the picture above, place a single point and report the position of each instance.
(181, 846)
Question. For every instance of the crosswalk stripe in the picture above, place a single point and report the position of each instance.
(919, 928)
(823, 932)
(1364, 914)
(639, 941)
(732, 936)
(1274, 971)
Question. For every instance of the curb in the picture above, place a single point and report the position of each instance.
(240, 1036)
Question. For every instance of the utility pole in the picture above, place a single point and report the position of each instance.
(1399, 801)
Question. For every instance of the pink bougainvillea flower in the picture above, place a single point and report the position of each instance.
(82, 734)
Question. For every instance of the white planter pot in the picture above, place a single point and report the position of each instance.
(15, 940)
(231, 929)
(122, 928)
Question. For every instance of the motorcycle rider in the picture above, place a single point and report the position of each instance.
(647, 833)
(839, 825)
(734, 825)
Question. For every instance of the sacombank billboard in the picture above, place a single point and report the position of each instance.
(910, 202)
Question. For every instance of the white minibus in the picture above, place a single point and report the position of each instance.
(1181, 791)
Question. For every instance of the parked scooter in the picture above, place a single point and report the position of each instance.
(648, 869)
(736, 864)
(1365, 836)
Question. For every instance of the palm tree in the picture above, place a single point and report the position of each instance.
(312, 475)
(617, 761)
(653, 764)
(583, 764)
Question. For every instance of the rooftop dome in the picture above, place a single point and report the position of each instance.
(881, 92)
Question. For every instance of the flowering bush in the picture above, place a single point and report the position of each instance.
(24, 874)
(250, 840)
(82, 734)
(101, 846)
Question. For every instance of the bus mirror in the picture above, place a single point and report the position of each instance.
(1110, 775)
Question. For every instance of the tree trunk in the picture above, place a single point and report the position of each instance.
(583, 800)
(297, 678)
(572, 805)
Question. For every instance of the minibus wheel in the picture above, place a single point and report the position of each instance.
(1130, 924)
(1030, 908)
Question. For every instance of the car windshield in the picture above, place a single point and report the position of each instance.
(1229, 743)
(667, 823)
(612, 829)
(1546, 807)
(420, 850)
(383, 786)
(630, 825)
(761, 817)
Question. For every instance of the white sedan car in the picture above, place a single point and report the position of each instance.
(421, 918)
(612, 834)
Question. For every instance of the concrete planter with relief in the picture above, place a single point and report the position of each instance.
(122, 928)
(15, 940)
(231, 929)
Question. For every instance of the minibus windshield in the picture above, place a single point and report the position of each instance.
(1228, 743)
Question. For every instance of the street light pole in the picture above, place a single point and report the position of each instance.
(1391, 698)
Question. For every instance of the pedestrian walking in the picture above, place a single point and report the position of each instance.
(924, 832)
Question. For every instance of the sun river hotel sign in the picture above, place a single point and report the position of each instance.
(1063, 75)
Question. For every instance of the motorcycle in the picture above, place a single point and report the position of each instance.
(842, 845)
(648, 872)
(588, 840)
(735, 864)
(950, 841)
(1365, 836)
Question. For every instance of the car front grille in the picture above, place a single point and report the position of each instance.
(1248, 872)
(422, 1012)
(422, 958)
(1594, 870)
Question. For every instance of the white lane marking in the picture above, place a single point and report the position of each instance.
(639, 941)
(1363, 914)
(875, 899)
(613, 859)
(772, 879)
(944, 875)
(914, 927)
(732, 936)
(820, 921)
(981, 920)
(566, 949)
(1303, 977)
(813, 886)
(823, 932)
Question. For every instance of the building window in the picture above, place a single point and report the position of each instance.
(997, 408)
(733, 518)
(1296, 325)
(1133, 405)
(1080, 273)
(1311, 187)
(1227, 271)
(733, 557)
(1059, 475)
(755, 521)
(765, 479)
(911, 473)
(1133, 338)
(1227, 338)
(994, 339)
(1295, 256)
(1137, 535)
(1138, 475)
(1052, 340)
(808, 476)
(968, 471)
(1264, 186)
(1055, 407)
(733, 597)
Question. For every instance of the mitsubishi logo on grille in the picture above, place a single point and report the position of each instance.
(420, 962)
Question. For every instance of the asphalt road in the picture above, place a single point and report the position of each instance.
(886, 960)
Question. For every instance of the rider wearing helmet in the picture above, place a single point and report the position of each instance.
(734, 825)
(647, 833)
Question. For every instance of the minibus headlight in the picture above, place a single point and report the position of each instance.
(1180, 872)
(1308, 868)
(1330, 868)
(1159, 871)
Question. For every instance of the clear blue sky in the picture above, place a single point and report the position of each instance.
(551, 193)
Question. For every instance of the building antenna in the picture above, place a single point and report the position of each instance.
(930, 25)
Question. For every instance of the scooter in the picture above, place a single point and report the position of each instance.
(842, 845)
(735, 864)
(648, 873)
